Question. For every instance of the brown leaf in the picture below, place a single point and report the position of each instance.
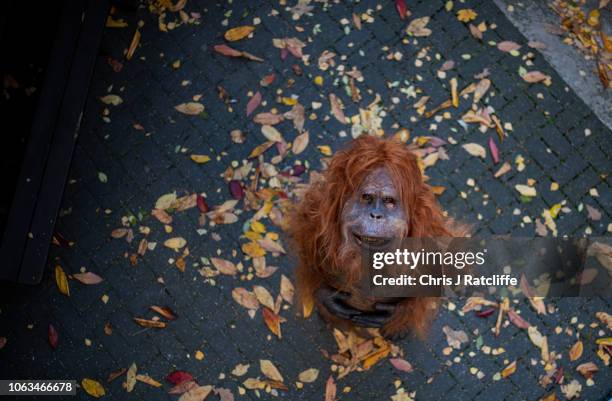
(253, 103)
(576, 351)
(330, 389)
(357, 21)
(162, 216)
(267, 80)
(535, 77)
(190, 108)
(263, 296)
(272, 321)
(88, 278)
(224, 266)
(517, 320)
(587, 370)
(593, 213)
(119, 233)
(503, 169)
(148, 380)
(297, 115)
(268, 118)
(133, 45)
(401, 364)
(156, 324)
(62, 281)
(113, 375)
(475, 32)
(229, 52)
(508, 46)
(198, 393)
(183, 387)
(336, 108)
(245, 298)
(164, 311)
(509, 370)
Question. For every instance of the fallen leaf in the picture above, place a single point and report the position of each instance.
(401, 364)
(93, 388)
(336, 108)
(148, 380)
(253, 103)
(475, 149)
(115, 100)
(525, 190)
(535, 77)
(576, 351)
(325, 149)
(330, 389)
(593, 213)
(272, 320)
(224, 394)
(287, 290)
(418, 27)
(309, 375)
(475, 31)
(272, 134)
(300, 143)
(240, 369)
(455, 338)
(178, 377)
(517, 320)
(508, 46)
(269, 370)
(539, 341)
(402, 10)
(587, 370)
(200, 159)
(240, 32)
(190, 108)
(62, 281)
(164, 311)
(494, 150)
(466, 15)
(53, 336)
(509, 370)
(130, 380)
(198, 393)
(155, 324)
(503, 169)
(229, 52)
(263, 296)
(88, 278)
(572, 389)
(133, 45)
(268, 118)
(245, 298)
(224, 266)
(175, 243)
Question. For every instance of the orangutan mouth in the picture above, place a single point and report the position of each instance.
(371, 242)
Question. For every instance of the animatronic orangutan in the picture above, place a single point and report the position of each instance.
(372, 191)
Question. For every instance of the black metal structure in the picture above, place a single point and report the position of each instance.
(51, 127)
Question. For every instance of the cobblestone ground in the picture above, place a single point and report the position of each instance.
(130, 154)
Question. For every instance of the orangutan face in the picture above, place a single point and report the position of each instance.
(374, 215)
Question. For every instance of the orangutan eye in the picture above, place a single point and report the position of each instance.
(389, 201)
(367, 198)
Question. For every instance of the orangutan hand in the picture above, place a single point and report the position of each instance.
(336, 303)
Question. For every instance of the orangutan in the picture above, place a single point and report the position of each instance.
(371, 192)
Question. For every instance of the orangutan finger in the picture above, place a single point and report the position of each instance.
(381, 306)
(340, 309)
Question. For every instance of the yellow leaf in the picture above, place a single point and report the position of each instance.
(199, 355)
(375, 357)
(258, 227)
(508, 370)
(576, 351)
(200, 159)
(555, 209)
(93, 388)
(289, 101)
(525, 190)
(604, 341)
(454, 95)
(62, 281)
(253, 249)
(318, 80)
(238, 33)
(259, 149)
(252, 235)
(466, 15)
(325, 149)
(130, 380)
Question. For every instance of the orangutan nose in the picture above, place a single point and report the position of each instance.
(376, 215)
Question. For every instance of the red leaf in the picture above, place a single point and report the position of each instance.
(202, 205)
(179, 376)
(253, 103)
(402, 10)
(486, 313)
(236, 189)
(53, 336)
(267, 80)
(494, 150)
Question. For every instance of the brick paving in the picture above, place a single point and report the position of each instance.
(548, 131)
